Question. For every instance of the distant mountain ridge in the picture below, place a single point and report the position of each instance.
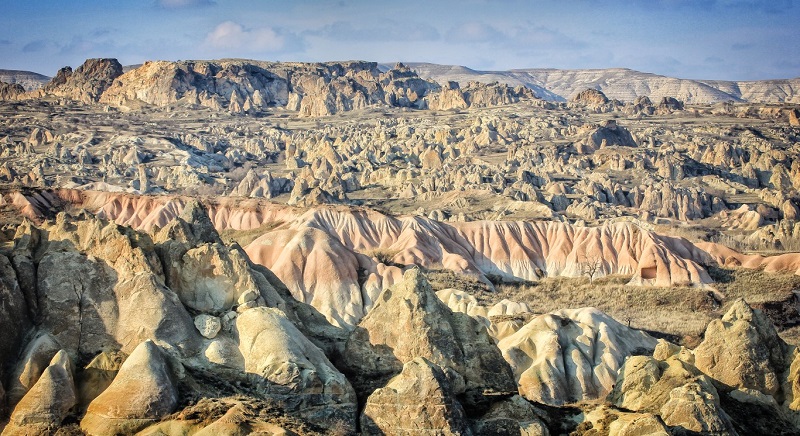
(620, 83)
(28, 79)
(561, 85)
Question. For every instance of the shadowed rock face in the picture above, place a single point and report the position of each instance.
(409, 321)
(142, 392)
(10, 91)
(419, 400)
(103, 296)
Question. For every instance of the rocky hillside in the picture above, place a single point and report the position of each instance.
(620, 84)
(339, 260)
(109, 330)
(27, 79)
(242, 86)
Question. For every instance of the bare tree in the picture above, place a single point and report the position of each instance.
(590, 266)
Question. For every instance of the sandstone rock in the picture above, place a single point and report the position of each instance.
(142, 392)
(512, 416)
(695, 407)
(417, 401)
(14, 320)
(211, 278)
(669, 104)
(605, 420)
(610, 134)
(10, 91)
(571, 355)
(592, 97)
(633, 424)
(794, 118)
(207, 325)
(87, 83)
(743, 350)
(409, 321)
(48, 402)
(34, 359)
(644, 384)
(98, 375)
(286, 367)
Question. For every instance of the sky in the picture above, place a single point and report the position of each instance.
(695, 39)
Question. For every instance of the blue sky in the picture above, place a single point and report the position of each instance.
(701, 39)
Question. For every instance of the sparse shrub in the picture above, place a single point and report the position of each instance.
(384, 256)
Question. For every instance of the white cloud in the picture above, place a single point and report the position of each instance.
(229, 35)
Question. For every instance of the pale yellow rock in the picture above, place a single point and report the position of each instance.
(143, 391)
(418, 401)
(34, 360)
(570, 355)
(48, 402)
(695, 406)
(743, 350)
(284, 365)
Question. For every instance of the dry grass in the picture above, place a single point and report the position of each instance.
(245, 237)
(384, 256)
(755, 286)
(680, 313)
(446, 279)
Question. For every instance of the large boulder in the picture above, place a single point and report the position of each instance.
(409, 321)
(286, 367)
(743, 350)
(571, 355)
(142, 392)
(48, 402)
(696, 407)
(418, 401)
(34, 359)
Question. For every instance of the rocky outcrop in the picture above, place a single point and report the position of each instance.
(312, 90)
(419, 400)
(48, 402)
(571, 355)
(408, 321)
(285, 366)
(739, 380)
(590, 97)
(318, 254)
(14, 317)
(112, 293)
(86, 84)
(10, 91)
(142, 392)
(743, 350)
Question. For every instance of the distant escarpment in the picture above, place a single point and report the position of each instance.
(244, 86)
(29, 80)
(621, 84)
